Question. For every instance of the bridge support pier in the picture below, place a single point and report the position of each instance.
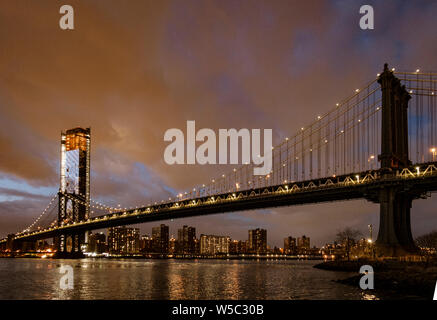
(69, 246)
(394, 236)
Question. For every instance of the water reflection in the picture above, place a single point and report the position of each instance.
(173, 279)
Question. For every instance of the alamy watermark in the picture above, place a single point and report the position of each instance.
(367, 280)
(206, 153)
(67, 280)
(67, 20)
(367, 21)
(435, 291)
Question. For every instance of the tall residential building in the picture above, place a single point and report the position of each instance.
(258, 241)
(122, 240)
(213, 245)
(237, 247)
(290, 246)
(186, 240)
(172, 245)
(146, 244)
(160, 239)
(97, 242)
(303, 244)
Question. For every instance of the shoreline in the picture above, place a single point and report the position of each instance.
(391, 278)
(246, 257)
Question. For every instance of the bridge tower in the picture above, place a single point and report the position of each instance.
(394, 236)
(74, 190)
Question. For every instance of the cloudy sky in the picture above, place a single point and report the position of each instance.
(133, 69)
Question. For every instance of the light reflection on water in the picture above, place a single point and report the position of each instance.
(173, 279)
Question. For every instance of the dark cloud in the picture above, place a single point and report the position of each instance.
(21, 194)
(132, 70)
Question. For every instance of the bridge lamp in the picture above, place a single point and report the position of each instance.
(369, 240)
(418, 170)
(358, 178)
(418, 70)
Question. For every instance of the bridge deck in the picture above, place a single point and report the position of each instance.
(415, 180)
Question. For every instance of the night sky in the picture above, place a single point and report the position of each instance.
(133, 69)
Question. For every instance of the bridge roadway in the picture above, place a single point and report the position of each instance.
(417, 181)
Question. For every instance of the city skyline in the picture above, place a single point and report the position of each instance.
(187, 241)
(127, 242)
(177, 73)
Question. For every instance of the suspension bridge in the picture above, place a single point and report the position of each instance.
(378, 144)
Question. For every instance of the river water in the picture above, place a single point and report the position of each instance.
(173, 279)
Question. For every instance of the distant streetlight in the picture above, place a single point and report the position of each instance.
(370, 160)
(433, 151)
